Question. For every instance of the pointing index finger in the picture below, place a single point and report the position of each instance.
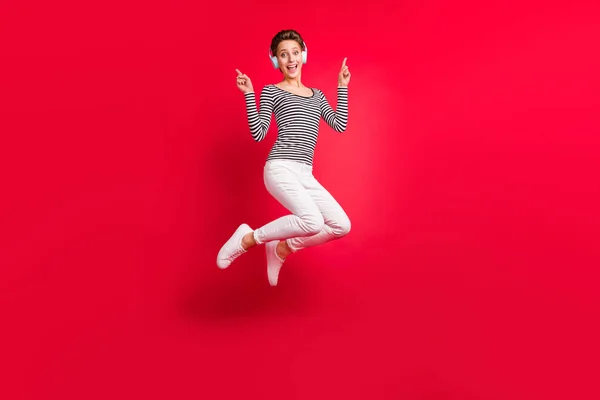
(238, 72)
(344, 62)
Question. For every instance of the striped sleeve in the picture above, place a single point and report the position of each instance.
(338, 119)
(259, 120)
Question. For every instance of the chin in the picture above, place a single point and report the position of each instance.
(293, 75)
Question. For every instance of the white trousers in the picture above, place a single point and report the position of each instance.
(316, 217)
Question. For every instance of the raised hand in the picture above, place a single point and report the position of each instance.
(344, 76)
(243, 82)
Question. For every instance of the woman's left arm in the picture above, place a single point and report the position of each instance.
(338, 120)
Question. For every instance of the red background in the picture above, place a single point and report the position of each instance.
(469, 170)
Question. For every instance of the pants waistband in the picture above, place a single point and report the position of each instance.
(293, 165)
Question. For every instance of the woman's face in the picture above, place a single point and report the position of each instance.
(289, 56)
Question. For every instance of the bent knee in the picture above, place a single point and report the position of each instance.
(312, 223)
(342, 226)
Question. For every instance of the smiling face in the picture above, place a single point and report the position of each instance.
(289, 57)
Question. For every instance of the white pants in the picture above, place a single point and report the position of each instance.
(316, 216)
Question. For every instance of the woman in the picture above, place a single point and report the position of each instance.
(316, 217)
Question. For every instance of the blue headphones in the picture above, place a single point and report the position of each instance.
(274, 58)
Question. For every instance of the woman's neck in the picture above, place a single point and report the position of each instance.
(296, 82)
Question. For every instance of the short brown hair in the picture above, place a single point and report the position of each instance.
(287, 34)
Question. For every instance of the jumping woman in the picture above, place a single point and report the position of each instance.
(315, 216)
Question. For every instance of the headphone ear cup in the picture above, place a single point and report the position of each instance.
(304, 54)
(274, 61)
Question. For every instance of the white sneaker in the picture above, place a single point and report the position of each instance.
(232, 249)
(274, 262)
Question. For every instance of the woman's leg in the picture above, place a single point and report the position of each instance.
(283, 181)
(337, 224)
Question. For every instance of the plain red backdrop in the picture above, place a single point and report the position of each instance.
(469, 170)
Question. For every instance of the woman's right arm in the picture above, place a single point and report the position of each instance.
(259, 120)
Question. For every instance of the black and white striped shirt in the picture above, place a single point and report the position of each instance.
(297, 119)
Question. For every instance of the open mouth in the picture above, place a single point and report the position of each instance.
(292, 67)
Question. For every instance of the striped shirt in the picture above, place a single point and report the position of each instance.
(297, 118)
